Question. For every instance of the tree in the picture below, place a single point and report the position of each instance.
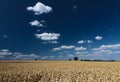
(75, 58)
(36, 59)
(70, 59)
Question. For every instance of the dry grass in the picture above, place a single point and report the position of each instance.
(59, 71)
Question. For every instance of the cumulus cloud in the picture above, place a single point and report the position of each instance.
(40, 8)
(89, 41)
(67, 47)
(56, 49)
(85, 41)
(22, 56)
(117, 52)
(48, 36)
(64, 47)
(80, 48)
(36, 23)
(114, 46)
(107, 49)
(47, 57)
(52, 42)
(103, 52)
(7, 54)
(98, 37)
(4, 50)
(81, 41)
(44, 57)
(77, 52)
(80, 53)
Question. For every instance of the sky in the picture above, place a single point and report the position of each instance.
(59, 29)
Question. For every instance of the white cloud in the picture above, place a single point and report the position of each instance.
(107, 50)
(53, 42)
(114, 46)
(22, 56)
(40, 8)
(102, 52)
(56, 49)
(5, 52)
(98, 37)
(89, 41)
(44, 57)
(36, 23)
(84, 41)
(80, 53)
(77, 52)
(67, 47)
(80, 48)
(117, 52)
(47, 57)
(81, 41)
(48, 36)
(64, 47)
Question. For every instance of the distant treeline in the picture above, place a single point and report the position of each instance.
(94, 60)
(97, 60)
(77, 59)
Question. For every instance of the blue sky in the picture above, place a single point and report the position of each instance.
(59, 30)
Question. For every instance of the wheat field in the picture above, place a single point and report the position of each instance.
(59, 71)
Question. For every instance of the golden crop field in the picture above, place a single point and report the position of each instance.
(59, 71)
